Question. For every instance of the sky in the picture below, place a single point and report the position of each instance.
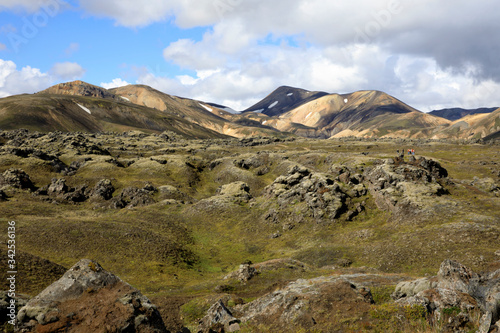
(431, 54)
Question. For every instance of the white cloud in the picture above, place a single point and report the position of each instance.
(26, 80)
(118, 82)
(427, 53)
(130, 13)
(67, 70)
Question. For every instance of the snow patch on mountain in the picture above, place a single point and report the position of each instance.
(273, 105)
(206, 107)
(289, 94)
(84, 108)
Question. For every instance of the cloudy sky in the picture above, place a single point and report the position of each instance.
(431, 54)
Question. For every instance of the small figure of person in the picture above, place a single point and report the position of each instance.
(413, 152)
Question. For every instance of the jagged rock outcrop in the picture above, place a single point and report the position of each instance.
(218, 320)
(405, 188)
(458, 287)
(244, 273)
(88, 299)
(78, 88)
(131, 197)
(60, 192)
(103, 190)
(16, 178)
(322, 195)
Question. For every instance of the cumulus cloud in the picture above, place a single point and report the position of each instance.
(130, 13)
(247, 77)
(26, 80)
(118, 82)
(426, 51)
(67, 70)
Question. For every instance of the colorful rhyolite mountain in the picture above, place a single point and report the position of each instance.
(79, 106)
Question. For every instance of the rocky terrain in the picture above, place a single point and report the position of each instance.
(260, 234)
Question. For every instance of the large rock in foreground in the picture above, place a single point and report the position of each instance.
(89, 299)
(456, 287)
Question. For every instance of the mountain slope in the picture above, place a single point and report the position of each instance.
(79, 106)
(204, 114)
(284, 99)
(70, 112)
(78, 88)
(362, 113)
(457, 113)
(474, 126)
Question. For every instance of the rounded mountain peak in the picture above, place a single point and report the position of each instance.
(78, 88)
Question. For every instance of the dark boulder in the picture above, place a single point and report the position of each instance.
(16, 178)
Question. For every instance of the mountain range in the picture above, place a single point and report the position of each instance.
(79, 106)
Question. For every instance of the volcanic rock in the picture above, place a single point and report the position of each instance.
(218, 319)
(16, 178)
(304, 302)
(458, 287)
(323, 197)
(87, 298)
(244, 273)
(134, 197)
(103, 190)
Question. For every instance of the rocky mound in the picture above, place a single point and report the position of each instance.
(78, 88)
(87, 298)
(456, 287)
(324, 196)
(406, 188)
(300, 304)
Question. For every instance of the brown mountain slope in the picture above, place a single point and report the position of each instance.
(79, 106)
(362, 113)
(47, 112)
(474, 126)
(201, 113)
(78, 88)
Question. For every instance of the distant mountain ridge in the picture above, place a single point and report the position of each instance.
(79, 106)
(284, 99)
(457, 113)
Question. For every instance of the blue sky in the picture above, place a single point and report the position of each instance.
(429, 53)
